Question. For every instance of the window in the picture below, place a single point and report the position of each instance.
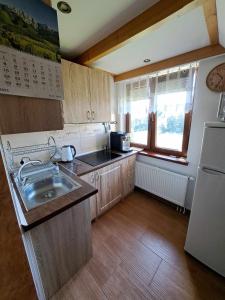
(159, 109)
(139, 121)
(138, 99)
(170, 115)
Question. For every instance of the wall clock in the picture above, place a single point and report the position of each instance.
(215, 80)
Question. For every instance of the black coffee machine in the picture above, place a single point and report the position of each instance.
(120, 141)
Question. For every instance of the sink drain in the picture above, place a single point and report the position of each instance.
(49, 194)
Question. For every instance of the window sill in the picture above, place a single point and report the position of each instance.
(170, 158)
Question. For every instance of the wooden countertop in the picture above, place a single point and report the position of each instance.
(52, 208)
(81, 168)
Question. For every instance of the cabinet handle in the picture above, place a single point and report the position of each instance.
(88, 114)
(93, 115)
(97, 176)
(92, 178)
(211, 172)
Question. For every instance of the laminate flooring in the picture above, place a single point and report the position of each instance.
(138, 253)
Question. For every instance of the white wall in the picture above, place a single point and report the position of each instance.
(220, 4)
(85, 138)
(205, 109)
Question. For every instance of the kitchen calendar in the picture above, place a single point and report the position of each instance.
(28, 75)
(30, 62)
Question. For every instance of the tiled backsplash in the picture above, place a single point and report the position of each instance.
(85, 138)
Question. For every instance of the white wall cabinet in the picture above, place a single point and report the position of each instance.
(88, 94)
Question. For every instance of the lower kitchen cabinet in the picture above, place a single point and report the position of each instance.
(109, 186)
(91, 179)
(61, 246)
(113, 182)
(128, 174)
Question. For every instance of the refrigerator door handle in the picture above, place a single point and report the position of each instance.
(211, 172)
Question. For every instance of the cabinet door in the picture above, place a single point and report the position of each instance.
(131, 172)
(20, 114)
(90, 178)
(101, 89)
(128, 167)
(76, 93)
(62, 245)
(109, 186)
(205, 236)
(213, 149)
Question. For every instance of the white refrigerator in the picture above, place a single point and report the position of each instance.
(206, 230)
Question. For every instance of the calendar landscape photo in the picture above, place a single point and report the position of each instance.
(31, 27)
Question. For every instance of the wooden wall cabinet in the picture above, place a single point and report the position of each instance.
(101, 90)
(25, 114)
(77, 101)
(88, 94)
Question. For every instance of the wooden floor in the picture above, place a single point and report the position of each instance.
(138, 254)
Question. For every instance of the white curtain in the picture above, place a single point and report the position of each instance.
(120, 94)
(147, 87)
(126, 93)
(176, 81)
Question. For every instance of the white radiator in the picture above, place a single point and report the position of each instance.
(165, 184)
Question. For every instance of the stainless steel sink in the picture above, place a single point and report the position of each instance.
(40, 191)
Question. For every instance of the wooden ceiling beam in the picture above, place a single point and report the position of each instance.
(182, 59)
(210, 12)
(47, 2)
(148, 20)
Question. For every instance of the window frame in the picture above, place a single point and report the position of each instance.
(151, 138)
(151, 143)
(165, 151)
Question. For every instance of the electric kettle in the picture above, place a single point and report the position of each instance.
(68, 153)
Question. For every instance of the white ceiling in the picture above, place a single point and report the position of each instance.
(174, 37)
(221, 20)
(92, 20)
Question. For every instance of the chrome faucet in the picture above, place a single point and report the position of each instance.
(20, 179)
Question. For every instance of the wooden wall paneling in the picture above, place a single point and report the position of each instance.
(24, 114)
(47, 2)
(62, 246)
(77, 107)
(16, 280)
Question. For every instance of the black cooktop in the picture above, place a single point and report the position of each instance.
(98, 158)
